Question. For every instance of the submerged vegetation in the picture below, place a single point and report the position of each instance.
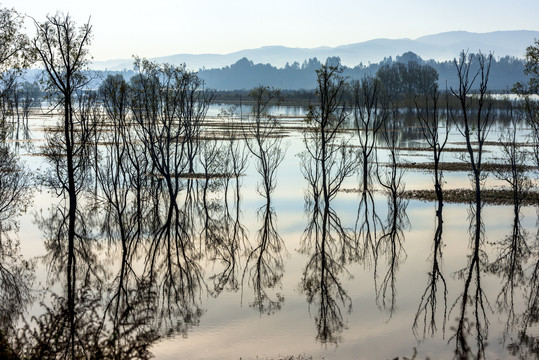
(149, 185)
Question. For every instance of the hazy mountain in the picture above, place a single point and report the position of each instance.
(443, 46)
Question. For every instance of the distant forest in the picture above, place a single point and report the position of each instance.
(244, 74)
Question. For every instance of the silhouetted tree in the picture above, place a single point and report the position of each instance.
(62, 48)
(16, 273)
(237, 151)
(15, 54)
(263, 140)
(264, 265)
(325, 164)
(476, 118)
(47, 336)
(403, 81)
(370, 113)
(328, 161)
(528, 91)
(170, 263)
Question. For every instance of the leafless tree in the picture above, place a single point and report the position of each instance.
(16, 273)
(15, 49)
(237, 150)
(390, 243)
(325, 164)
(62, 48)
(474, 119)
(264, 265)
(261, 131)
(514, 155)
(370, 113)
(513, 250)
(170, 263)
(528, 91)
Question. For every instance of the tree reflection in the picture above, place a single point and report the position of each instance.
(473, 297)
(264, 267)
(431, 122)
(223, 237)
(330, 248)
(105, 319)
(513, 252)
(172, 270)
(53, 335)
(16, 273)
(526, 346)
(429, 299)
(474, 113)
(263, 140)
(168, 111)
(531, 315)
(390, 243)
(366, 228)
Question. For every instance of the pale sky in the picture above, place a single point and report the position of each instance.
(167, 27)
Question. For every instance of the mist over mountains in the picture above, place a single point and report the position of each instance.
(439, 47)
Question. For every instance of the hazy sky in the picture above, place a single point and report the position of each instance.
(166, 27)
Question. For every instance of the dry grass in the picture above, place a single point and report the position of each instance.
(464, 196)
(462, 166)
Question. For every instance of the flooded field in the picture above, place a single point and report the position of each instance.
(260, 251)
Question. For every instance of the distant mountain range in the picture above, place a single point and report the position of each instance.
(440, 47)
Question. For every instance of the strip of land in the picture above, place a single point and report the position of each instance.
(464, 196)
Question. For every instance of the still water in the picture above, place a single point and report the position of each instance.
(258, 280)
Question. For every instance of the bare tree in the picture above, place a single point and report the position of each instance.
(15, 53)
(474, 116)
(264, 266)
(194, 103)
(62, 48)
(527, 91)
(513, 250)
(516, 157)
(237, 151)
(328, 161)
(157, 105)
(325, 164)
(473, 120)
(435, 129)
(390, 243)
(263, 138)
(370, 113)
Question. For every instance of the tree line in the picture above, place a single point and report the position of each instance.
(244, 74)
